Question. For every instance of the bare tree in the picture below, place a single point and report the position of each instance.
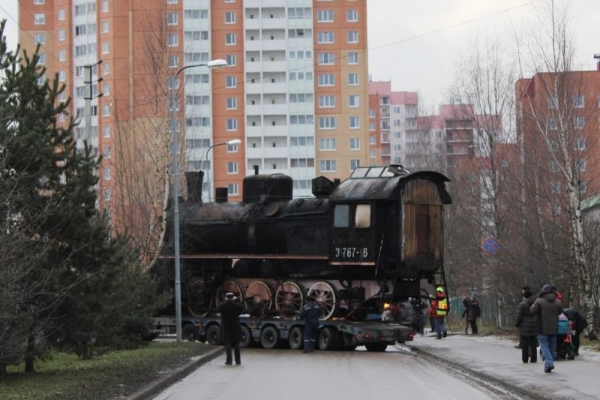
(557, 135)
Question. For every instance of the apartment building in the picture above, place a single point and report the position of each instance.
(295, 92)
(393, 134)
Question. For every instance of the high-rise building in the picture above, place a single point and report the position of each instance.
(295, 92)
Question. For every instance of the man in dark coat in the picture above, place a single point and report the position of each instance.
(547, 308)
(310, 314)
(471, 313)
(526, 324)
(231, 329)
(579, 324)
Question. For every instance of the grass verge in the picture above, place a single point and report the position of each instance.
(112, 375)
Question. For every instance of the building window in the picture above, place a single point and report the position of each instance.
(580, 165)
(172, 18)
(173, 61)
(551, 124)
(372, 153)
(39, 19)
(40, 38)
(353, 79)
(106, 131)
(104, 26)
(171, 1)
(301, 119)
(353, 100)
(328, 166)
(326, 59)
(301, 98)
(354, 122)
(325, 16)
(582, 186)
(352, 15)
(579, 122)
(326, 80)
(232, 168)
(231, 60)
(173, 40)
(105, 47)
(230, 39)
(232, 124)
(580, 143)
(62, 55)
(80, 50)
(62, 76)
(232, 148)
(552, 102)
(354, 164)
(232, 189)
(106, 194)
(352, 58)
(106, 152)
(39, 2)
(578, 101)
(352, 37)
(231, 81)
(326, 101)
(61, 35)
(372, 139)
(230, 17)
(106, 174)
(327, 123)
(327, 144)
(231, 103)
(354, 144)
(61, 14)
(325, 37)
(106, 110)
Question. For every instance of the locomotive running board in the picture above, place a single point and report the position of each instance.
(247, 256)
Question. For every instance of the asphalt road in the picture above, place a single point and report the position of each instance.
(286, 374)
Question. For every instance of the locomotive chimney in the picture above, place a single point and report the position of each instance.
(194, 185)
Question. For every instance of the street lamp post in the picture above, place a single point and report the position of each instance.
(229, 142)
(211, 64)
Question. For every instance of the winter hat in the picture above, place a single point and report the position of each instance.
(547, 288)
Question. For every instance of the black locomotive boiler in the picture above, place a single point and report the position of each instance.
(379, 232)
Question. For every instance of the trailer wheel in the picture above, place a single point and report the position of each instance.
(213, 335)
(296, 338)
(376, 347)
(259, 297)
(198, 300)
(328, 339)
(246, 337)
(269, 337)
(326, 297)
(190, 333)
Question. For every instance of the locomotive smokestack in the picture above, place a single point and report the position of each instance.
(194, 185)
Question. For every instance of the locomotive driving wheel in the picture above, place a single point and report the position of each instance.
(229, 286)
(259, 298)
(289, 299)
(325, 296)
(198, 297)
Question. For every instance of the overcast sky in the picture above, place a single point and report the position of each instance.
(415, 44)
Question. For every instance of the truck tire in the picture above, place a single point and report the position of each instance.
(328, 339)
(296, 338)
(269, 337)
(190, 333)
(376, 347)
(246, 337)
(213, 335)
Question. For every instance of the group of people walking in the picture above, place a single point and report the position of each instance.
(538, 322)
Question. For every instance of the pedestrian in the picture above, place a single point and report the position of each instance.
(526, 324)
(310, 314)
(579, 324)
(439, 310)
(471, 313)
(547, 308)
(523, 290)
(231, 329)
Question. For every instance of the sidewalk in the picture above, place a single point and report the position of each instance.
(494, 358)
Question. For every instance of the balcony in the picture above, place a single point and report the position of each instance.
(274, 66)
(267, 130)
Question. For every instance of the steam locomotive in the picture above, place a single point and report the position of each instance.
(377, 234)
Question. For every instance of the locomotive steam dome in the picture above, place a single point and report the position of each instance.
(266, 188)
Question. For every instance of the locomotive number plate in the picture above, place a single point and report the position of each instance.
(351, 253)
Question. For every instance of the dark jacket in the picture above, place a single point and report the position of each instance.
(579, 321)
(547, 308)
(526, 321)
(231, 330)
(472, 310)
(310, 313)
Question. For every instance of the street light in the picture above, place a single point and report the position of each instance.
(211, 64)
(232, 142)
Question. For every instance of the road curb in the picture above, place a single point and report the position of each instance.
(525, 393)
(161, 384)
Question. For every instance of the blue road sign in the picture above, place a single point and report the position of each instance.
(490, 246)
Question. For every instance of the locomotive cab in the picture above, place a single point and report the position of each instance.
(387, 225)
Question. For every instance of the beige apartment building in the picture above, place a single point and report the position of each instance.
(295, 92)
